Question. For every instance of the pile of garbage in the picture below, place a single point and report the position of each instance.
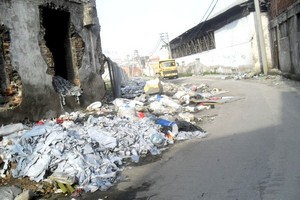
(88, 149)
(90, 153)
(133, 88)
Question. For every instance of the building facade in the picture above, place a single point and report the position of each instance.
(49, 50)
(285, 35)
(225, 43)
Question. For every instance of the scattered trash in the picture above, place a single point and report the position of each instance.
(12, 128)
(238, 76)
(91, 153)
(141, 115)
(62, 178)
(158, 139)
(25, 195)
(187, 135)
(133, 88)
(9, 192)
(189, 117)
(65, 88)
(170, 89)
(153, 87)
(187, 126)
(134, 156)
(94, 106)
(166, 101)
(86, 150)
(127, 108)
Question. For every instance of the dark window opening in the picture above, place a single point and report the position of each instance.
(55, 25)
(199, 44)
(298, 22)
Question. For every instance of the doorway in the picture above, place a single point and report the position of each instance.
(56, 26)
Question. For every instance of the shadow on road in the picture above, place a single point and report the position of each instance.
(252, 152)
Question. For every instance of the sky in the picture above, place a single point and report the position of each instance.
(129, 25)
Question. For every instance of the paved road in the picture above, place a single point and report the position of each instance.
(252, 151)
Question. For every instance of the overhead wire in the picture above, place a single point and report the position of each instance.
(211, 10)
(207, 17)
(156, 47)
(195, 30)
(207, 11)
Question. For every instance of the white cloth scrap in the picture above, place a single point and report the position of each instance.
(91, 152)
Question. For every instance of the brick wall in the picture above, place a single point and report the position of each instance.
(279, 6)
(5, 61)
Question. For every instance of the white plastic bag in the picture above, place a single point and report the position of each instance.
(12, 128)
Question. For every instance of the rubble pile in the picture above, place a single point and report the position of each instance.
(88, 149)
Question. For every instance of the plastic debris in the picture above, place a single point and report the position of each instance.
(189, 117)
(65, 88)
(127, 108)
(166, 101)
(9, 193)
(153, 87)
(170, 89)
(134, 156)
(187, 126)
(158, 139)
(63, 181)
(25, 195)
(133, 88)
(90, 150)
(12, 128)
(187, 135)
(94, 106)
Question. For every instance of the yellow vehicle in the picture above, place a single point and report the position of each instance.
(167, 68)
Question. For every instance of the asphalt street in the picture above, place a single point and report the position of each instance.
(252, 150)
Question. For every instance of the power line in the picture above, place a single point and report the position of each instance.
(208, 15)
(165, 39)
(196, 31)
(156, 47)
(211, 11)
(207, 11)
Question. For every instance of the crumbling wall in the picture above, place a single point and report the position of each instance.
(285, 32)
(279, 6)
(10, 82)
(4, 54)
(34, 61)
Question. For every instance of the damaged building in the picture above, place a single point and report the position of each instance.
(51, 59)
(285, 35)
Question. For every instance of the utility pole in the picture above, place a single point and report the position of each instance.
(263, 53)
(165, 39)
